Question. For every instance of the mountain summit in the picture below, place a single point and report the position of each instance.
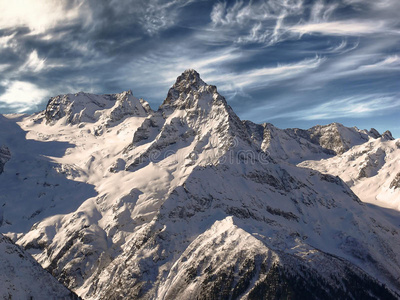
(188, 202)
(188, 89)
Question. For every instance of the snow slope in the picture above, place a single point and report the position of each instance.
(21, 277)
(372, 170)
(181, 201)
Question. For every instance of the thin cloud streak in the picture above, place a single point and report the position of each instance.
(351, 107)
(263, 77)
(341, 28)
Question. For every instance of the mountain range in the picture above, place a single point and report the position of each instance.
(118, 201)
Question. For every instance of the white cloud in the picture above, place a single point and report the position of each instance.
(254, 22)
(270, 22)
(152, 15)
(38, 15)
(389, 62)
(350, 107)
(266, 76)
(22, 96)
(34, 63)
(357, 65)
(7, 41)
(322, 11)
(340, 28)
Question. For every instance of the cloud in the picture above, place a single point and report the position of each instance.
(340, 28)
(34, 63)
(38, 15)
(364, 64)
(263, 77)
(255, 22)
(271, 22)
(161, 15)
(350, 107)
(322, 11)
(391, 62)
(22, 96)
(7, 41)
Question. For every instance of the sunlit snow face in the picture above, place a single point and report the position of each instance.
(293, 63)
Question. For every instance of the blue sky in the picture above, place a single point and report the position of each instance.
(293, 63)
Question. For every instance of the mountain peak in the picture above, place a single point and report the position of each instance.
(189, 76)
(188, 89)
(188, 80)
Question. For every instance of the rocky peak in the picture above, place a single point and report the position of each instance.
(189, 77)
(191, 91)
(374, 133)
(387, 135)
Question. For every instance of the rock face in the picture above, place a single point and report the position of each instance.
(189, 203)
(5, 156)
(21, 277)
(395, 184)
(295, 145)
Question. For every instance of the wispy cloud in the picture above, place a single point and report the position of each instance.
(154, 15)
(340, 28)
(34, 63)
(350, 107)
(254, 22)
(38, 15)
(270, 22)
(263, 77)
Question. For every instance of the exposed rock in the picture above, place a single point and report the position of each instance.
(395, 184)
(5, 156)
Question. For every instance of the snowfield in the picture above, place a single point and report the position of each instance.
(119, 201)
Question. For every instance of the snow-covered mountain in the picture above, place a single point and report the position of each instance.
(186, 202)
(295, 145)
(21, 277)
(372, 170)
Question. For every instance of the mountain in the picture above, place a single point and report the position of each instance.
(21, 277)
(295, 145)
(84, 107)
(372, 170)
(184, 202)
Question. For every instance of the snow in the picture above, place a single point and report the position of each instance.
(125, 205)
(369, 169)
(21, 277)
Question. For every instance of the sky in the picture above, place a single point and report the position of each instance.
(293, 63)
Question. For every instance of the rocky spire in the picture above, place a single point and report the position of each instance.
(188, 89)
